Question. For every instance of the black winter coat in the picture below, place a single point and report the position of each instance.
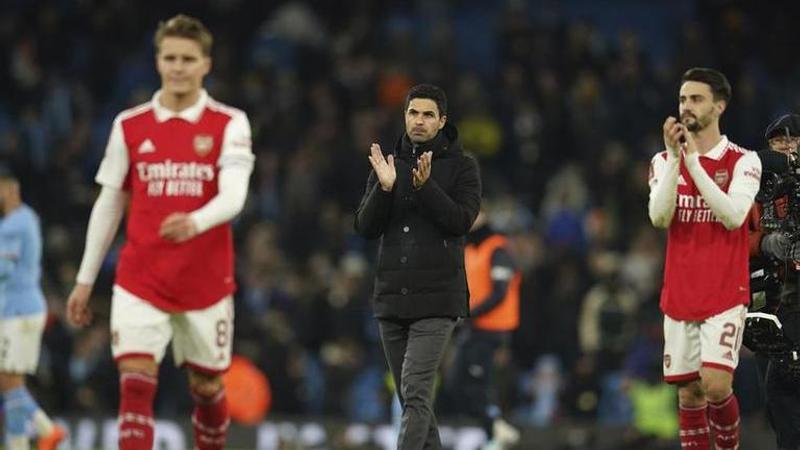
(420, 265)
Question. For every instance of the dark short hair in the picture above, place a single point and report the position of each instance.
(785, 125)
(720, 87)
(431, 92)
(187, 27)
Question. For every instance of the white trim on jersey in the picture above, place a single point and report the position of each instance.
(731, 207)
(114, 167)
(190, 114)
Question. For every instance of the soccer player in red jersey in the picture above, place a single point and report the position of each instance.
(180, 165)
(701, 190)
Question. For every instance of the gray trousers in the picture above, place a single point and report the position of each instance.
(414, 350)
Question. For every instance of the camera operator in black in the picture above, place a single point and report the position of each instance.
(781, 386)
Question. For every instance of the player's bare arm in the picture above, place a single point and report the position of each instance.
(384, 167)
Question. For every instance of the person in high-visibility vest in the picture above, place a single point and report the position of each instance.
(493, 280)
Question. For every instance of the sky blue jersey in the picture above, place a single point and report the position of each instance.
(6, 266)
(21, 244)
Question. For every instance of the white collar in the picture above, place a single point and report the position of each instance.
(718, 150)
(190, 114)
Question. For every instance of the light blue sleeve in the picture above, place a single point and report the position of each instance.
(6, 269)
(21, 238)
(10, 247)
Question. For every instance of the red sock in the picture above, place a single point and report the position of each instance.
(724, 420)
(210, 420)
(694, 428)
(136, 411)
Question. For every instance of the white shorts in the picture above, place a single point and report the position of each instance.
(20, 341)
(714, 342)
(201, 339)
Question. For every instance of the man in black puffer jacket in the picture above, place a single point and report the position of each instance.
(421, 200)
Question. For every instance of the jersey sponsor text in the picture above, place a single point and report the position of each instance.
(693, 208)
(174, 179)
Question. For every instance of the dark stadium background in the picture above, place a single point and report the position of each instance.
(561, 101)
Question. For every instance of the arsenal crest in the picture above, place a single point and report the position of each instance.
(667, 361)
(721, 177)
(203, 143)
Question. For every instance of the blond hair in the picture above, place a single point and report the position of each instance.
(187, 27)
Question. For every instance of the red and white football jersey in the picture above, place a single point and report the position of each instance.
(706, 270)
(169, 162)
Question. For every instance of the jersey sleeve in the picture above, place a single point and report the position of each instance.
(103, 224)
(114, 168)
(731, 208)
(12, 236)
(663, 181)
(237, 146)
(236, 165)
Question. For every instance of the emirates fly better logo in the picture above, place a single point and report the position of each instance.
(174, 179)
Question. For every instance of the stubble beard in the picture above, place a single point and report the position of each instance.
(698, 124)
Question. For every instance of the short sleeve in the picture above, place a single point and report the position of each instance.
(237, 147)
(114, 168)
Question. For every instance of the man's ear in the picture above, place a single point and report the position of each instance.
(442, 121)
(721, 106)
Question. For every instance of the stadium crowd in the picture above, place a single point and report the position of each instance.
(562, 103)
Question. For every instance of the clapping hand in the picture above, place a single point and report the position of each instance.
(688, 143)
(383, 167)
(423, 170)
(673, 132)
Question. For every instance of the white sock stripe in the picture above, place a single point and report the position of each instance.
(138, 376)
(211, 440)
(139, 419)
(719, 427)
(131, 434)
(209, 430)
(694, 431)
